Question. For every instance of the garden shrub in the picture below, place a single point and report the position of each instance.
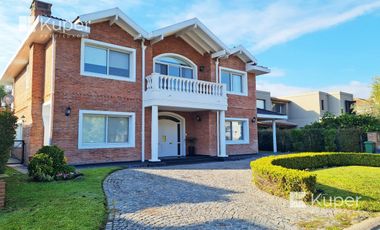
(40, 168)
(329, 136)
(50, 163)
(56, 154)
(7, 135)
(280, 175)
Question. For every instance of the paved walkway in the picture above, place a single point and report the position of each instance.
(218, 195)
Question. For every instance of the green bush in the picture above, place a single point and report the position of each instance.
(7, 135)
(313, 140)
(50, 164)
(40, 168)
(280, 175)
(57, 155)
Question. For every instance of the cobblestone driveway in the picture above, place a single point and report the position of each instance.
(216, 195)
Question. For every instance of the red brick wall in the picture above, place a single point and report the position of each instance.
(2, 193)
(91, 93)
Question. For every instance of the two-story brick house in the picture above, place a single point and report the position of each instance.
(105, 90)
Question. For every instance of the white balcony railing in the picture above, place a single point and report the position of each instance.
(182, 90)
(185, 85)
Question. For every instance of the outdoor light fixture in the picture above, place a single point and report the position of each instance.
(198, 118)
(201, 68)
(253, 120)
(68, 111)
(23, 119)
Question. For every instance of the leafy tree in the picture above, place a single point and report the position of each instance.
(2, 91)
(365, 122)
(375, 96)
(7, 135)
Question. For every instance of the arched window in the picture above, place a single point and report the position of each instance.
(175, 65)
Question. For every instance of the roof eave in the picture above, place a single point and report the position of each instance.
(40, 32)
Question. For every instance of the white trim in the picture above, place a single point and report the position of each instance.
(47, 121)
(244, 80)
(131, 131)
(245, 130)
(182, 122)
(130, 51)
(195, 67)
(268, 116)
(143, 47)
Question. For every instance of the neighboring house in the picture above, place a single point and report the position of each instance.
(307, 108)
(105, 90)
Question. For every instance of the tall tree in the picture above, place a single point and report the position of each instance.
(2, 91)
(375, 96)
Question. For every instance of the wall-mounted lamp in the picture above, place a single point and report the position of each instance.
(198, 118)
(201, 68)
(23, 119)
(68, 111)
(253, 120)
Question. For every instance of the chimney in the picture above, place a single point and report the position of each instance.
(40, 8)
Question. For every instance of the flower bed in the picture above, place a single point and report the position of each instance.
(280, 175)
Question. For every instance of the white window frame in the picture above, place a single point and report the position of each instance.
(112, 47)
(245, 130)
(244, 80)
(194, 66)
(131, 131)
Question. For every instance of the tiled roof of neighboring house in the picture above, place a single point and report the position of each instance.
(268, 112)
(276, 99)
(53, 17)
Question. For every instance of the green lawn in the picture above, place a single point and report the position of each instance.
(75, 204)
(351, 181)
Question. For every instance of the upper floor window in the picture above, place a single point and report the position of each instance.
(322, 104)
(260, 104)
(175, 65)
(235, 81)
(100, 59)
(279, 108)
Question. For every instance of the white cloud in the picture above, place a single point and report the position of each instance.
(358, 89)
(278, 22)
(276, 72)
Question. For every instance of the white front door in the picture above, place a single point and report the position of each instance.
(168, 138)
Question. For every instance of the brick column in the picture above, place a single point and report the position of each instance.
(2, 193)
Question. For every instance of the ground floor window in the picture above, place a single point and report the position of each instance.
(104, 129)
(237, 131)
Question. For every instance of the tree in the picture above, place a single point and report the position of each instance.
(8, 124)
(375, 96)
(3, 92)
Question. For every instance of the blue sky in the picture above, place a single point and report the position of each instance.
(309, 45)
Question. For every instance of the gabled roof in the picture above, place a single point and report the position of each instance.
(193, 32)
(114, 15)
(243, 54)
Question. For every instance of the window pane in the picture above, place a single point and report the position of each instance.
(95, 60)
(237, 85)
(226, 80)
(237, 128)
(187, 73)
(94, 128)
(161, 69)
(228, 128)
(174, 71)
(173, 60)
(118, 129)
(119, 64)
(260, 104)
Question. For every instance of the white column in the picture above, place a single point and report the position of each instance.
(222, 134)
(154, 140)
(274, 136)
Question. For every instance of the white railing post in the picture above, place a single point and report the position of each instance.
(155, 81)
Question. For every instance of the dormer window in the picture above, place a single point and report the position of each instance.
(174, 65)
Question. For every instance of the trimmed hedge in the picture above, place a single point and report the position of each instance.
(313, 140)
(280, 175)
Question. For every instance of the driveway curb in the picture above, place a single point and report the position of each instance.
(370, 224)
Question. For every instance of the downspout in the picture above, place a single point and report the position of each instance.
(143, 47)
(52, 88)
(217, 112)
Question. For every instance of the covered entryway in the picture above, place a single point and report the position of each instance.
(171, 135)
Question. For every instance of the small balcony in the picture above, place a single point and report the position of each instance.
(185, 93)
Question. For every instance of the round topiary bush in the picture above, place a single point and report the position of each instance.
(280, 175)
(40, 168)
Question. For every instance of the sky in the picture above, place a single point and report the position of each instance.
(326, 45)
